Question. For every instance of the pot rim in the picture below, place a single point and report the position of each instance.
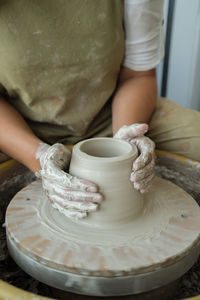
(130, 151)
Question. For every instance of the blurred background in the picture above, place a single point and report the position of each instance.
(179, 74)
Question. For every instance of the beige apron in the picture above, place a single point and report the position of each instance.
(59, 62)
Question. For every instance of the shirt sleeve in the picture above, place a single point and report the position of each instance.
(144, 34)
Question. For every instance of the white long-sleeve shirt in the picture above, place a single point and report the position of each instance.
(144, 45)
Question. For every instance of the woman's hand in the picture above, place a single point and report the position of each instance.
(143, 166)
(72, 196)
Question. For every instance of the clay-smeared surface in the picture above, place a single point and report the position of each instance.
(167, 229)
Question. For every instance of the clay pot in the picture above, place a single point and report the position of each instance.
(108, 163)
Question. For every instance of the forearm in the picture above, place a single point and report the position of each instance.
(16, 138)
(135, 98)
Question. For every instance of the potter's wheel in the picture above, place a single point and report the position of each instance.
(154, 249)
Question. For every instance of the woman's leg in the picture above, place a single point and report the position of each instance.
(176, 129)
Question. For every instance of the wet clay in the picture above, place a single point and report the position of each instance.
(108, 163)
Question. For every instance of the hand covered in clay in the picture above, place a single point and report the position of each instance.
(72, 196)
(143, 166)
